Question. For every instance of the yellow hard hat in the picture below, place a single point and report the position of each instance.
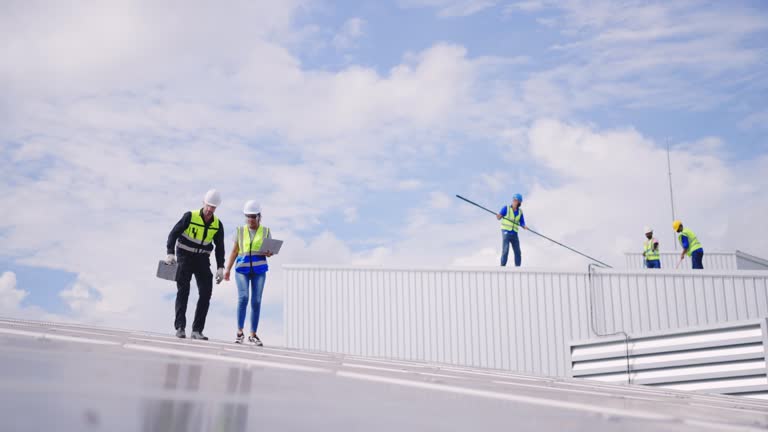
(676, 225)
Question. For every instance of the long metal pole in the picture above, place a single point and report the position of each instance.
(534, 232)
(671, 197)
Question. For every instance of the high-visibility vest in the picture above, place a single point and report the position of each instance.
(693, 242)
(650, 254)
(509, 225)
(246, 261)
(198, 237)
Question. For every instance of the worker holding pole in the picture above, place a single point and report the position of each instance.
(512, 219)
(520, 200)
(651, 250)
(690, 244)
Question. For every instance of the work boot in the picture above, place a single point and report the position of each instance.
(180, 333)
(198, 335)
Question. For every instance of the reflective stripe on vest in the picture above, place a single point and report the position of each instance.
(693, 242)
(650, 254)
(509, 225)
(182, 246)
(246, 260)
(198, 237)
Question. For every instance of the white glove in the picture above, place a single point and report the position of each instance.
(219, 275)
(170, 259)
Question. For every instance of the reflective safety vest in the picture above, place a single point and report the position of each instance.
(198, 237)
(693, 242)
(650, 254)
(246, 261)
(508, 225)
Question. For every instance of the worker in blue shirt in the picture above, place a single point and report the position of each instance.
(512, 219)
(691, 245)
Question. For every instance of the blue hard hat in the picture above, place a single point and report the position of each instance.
(518, 197)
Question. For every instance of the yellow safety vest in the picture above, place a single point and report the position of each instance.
(650, 254)
(509, 225)
(198, 237)
(693, 242)
(246, 260)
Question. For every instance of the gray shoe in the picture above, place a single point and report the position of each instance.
(180, 333)
(198, 335)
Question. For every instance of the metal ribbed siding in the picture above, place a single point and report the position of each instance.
(650, 301)
(727, 358)
(521, 320)
(473, 318)
(712, 261)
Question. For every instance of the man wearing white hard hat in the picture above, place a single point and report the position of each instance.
(651, 250)
(194, 238)
(250, 269)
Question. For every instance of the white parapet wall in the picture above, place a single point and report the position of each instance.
(518, 320)
(712, 261)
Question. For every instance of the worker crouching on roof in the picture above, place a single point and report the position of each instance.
(512, 219)
(651, 250)
(194, 238)
(251, 270)
(690, 244)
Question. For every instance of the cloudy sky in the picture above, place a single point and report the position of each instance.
(355, 124)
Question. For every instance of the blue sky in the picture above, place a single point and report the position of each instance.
(355, 123)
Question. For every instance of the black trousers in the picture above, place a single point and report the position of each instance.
(198, 265)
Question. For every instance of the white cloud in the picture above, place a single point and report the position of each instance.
(409, 184)
(350, 32)
(439, 200)
(10, 295)
(493, 181)
(61, 49)
(451, 8)
(350, 214)
(647, 54)
(527, 6)
(12, 299)
(78, 296)
(755, 120)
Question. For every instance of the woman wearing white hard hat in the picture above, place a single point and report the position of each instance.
(250, 269)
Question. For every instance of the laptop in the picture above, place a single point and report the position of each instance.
(269, 245)
(167, 271)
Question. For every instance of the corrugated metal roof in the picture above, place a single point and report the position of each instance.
(80, 378)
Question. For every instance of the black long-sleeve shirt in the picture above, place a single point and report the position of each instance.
(181, 225)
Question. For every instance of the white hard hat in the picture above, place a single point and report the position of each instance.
(212, 198)
(648, 230)
(251, 207)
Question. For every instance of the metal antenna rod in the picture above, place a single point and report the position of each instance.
(671, 197)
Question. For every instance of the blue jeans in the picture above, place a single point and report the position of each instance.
(508, 237)
(654, 264)
(254, 281)
(697, 258)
